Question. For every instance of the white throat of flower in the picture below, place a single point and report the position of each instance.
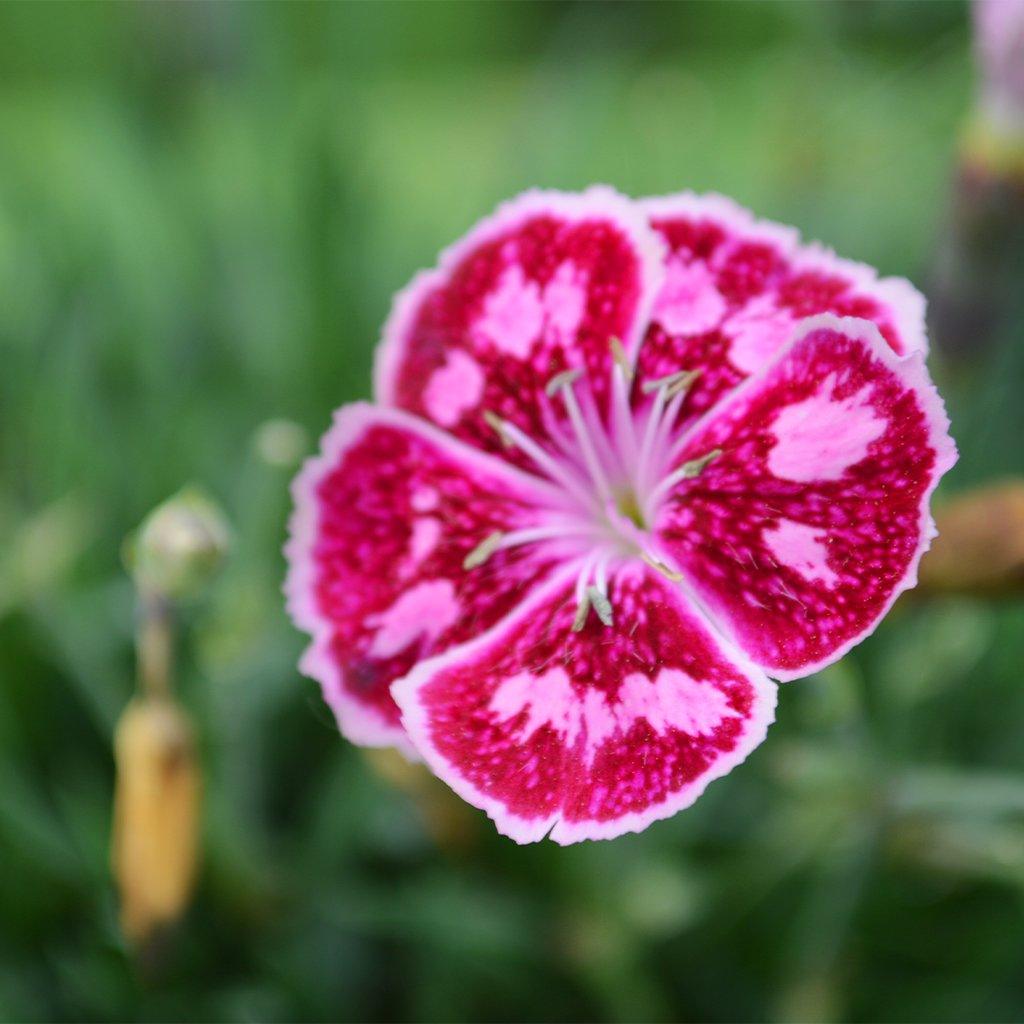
(612, 479)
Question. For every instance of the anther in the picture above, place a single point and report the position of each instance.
(561, 380)
(669, 574)
(483, 550)
(592, 597)
(497, 424)
(582, 611)
(688, 470)
(672, 383)
(620, 357)
(602, 606)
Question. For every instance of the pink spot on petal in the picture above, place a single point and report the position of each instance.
(454, 388)
(386, 515)
(802, 548)
(424, 499)
(757, 331)
(672, 700)
(592, 733)
(689, 302)
(821, 437)
(565, 301)
(548, 699)
(811, 523)
(513, 314)
(425, 611)
(426, 531)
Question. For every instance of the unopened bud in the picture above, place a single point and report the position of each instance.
(281, 443)
(180, 546)
(980, 546)
(156, 815)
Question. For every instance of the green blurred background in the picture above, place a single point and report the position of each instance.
(204, 210)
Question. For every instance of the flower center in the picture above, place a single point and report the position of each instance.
(608, 476)
(627, 504)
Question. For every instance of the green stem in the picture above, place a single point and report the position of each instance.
(154, 643)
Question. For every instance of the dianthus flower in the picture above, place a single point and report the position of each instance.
(628, 463)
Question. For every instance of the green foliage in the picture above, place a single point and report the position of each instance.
(204, 210)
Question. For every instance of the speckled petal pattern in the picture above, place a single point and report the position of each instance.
(590, 734)
(811, 522)
(539, 287)
(384, 519)
(736, 288)
(630, 460)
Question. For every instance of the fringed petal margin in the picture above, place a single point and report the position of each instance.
(385, 517)
(593, 733)
(541, 286)
(736, 287)
(801, 534)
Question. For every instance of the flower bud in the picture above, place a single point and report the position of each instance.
(156, 815)
(980, 546)
(180, 546)
(281, 443)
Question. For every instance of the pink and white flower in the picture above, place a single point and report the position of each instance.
(628, 463)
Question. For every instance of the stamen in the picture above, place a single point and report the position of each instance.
(593, 595)
(694, 467)
(672, 383)
(562, 384)
(561, 380)
(584, 577)
(497, 424)
(687, 471)
(669, 574)
(602, 606)
(512, 435)
(623, 423)
(582, 594)
(669, 393)
(499, 541)
(683, 385)
(650, 431)
(664, 428)
(582, 611)
(620, 358)
(483, 550)
(593, 598)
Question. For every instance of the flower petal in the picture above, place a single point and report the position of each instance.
(589, 734)
(802, 533)
(539, 287)
(384, 519)
(736, 287)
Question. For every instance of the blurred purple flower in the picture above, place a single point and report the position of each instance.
(999, 45)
